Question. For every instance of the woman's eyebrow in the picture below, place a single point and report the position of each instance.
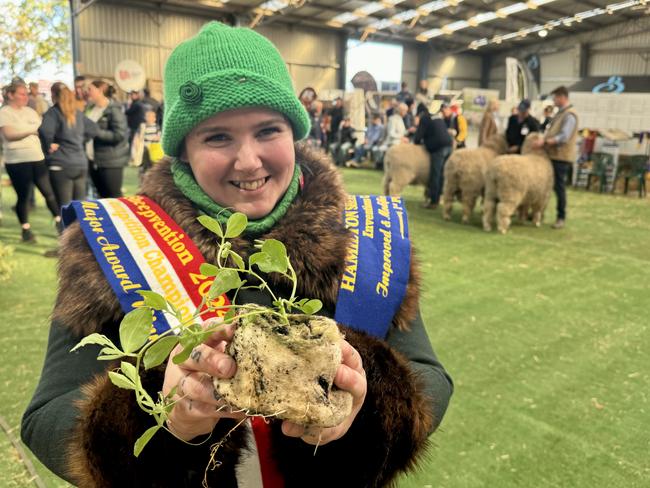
(223, 128)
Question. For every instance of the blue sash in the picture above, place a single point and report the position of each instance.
(112, 254)
(377, 266)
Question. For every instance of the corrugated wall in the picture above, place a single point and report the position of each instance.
(622, 55)
(109, 34)
(311, 55)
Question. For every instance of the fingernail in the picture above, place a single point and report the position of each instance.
(225, 366)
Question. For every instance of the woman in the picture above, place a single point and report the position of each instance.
(109, 152)
(230, 127)
(24, 157)
(63, 132)
(489, 122)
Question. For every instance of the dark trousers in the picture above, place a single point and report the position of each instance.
(107, 181)
(560, 171)
(69, 184)
(437, 158)
(23, 177)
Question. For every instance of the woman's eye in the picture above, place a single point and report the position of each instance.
(268, 131)
(217, 138)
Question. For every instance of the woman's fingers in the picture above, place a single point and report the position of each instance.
(352, 381)
(207, 359)
(351, 356)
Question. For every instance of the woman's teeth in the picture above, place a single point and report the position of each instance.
(250, 185)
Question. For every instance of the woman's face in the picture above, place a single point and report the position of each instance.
(19, 98)
(94, 94)
(243, 159)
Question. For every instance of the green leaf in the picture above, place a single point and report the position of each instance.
(208, 269)
(153, 299)
(230, 315)
(95, 338)
(226, 280)
(144, 439)
(237, 223)
(129, 371)
(135, 328)
(109, 353)
(312, 306)
(211, 224)
(237, 259)
(183, 355)
(120, 380)
(272, 258)
(159, 351)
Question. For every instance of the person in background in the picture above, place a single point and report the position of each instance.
(434, 134)
(456, 123)
(404, 95)
(83, 427)
(373, 138)
(108, 153)
(392, 108)
(63, 133)
(151, 140)
(134, 114)
(422, 95)
(335, 116)
(490, 122)
(24, 159)
(36, 101)
(560, 143)
(345, 141)
(519, 126)
(149, 102)
(395, 128)
(548, 115)
(81, 93)
(409, 120)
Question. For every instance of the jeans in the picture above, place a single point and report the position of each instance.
(437, 158)
(560, 171)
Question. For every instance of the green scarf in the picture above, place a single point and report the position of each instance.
(186, 183)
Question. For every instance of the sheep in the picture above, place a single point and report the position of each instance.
(465, 175)
(515, 183)
(405, 164)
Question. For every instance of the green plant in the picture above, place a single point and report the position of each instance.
(138, 350)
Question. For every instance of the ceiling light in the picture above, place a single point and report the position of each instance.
(542, 33)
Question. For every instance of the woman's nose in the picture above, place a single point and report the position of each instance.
(247, 158)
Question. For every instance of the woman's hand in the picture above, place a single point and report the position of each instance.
(198, 407)
(350, 377)
(53, 148)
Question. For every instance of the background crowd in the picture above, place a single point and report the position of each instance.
(76, 148)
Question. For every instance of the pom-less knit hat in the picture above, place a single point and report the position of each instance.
(224, 68)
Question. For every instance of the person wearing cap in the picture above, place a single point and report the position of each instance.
(231, 128)
(560, 143)
(519, 126)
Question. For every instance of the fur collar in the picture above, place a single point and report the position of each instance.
(312, 231)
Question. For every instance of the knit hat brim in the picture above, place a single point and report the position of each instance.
(228, 90)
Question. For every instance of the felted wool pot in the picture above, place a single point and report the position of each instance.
(287, 371)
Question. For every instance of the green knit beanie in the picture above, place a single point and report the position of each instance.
(224, 68)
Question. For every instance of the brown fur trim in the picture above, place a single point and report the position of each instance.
(388, 436)
(100, 454)
(312, 230)
(85, 300)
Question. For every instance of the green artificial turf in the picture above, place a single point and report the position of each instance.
(544, 332)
